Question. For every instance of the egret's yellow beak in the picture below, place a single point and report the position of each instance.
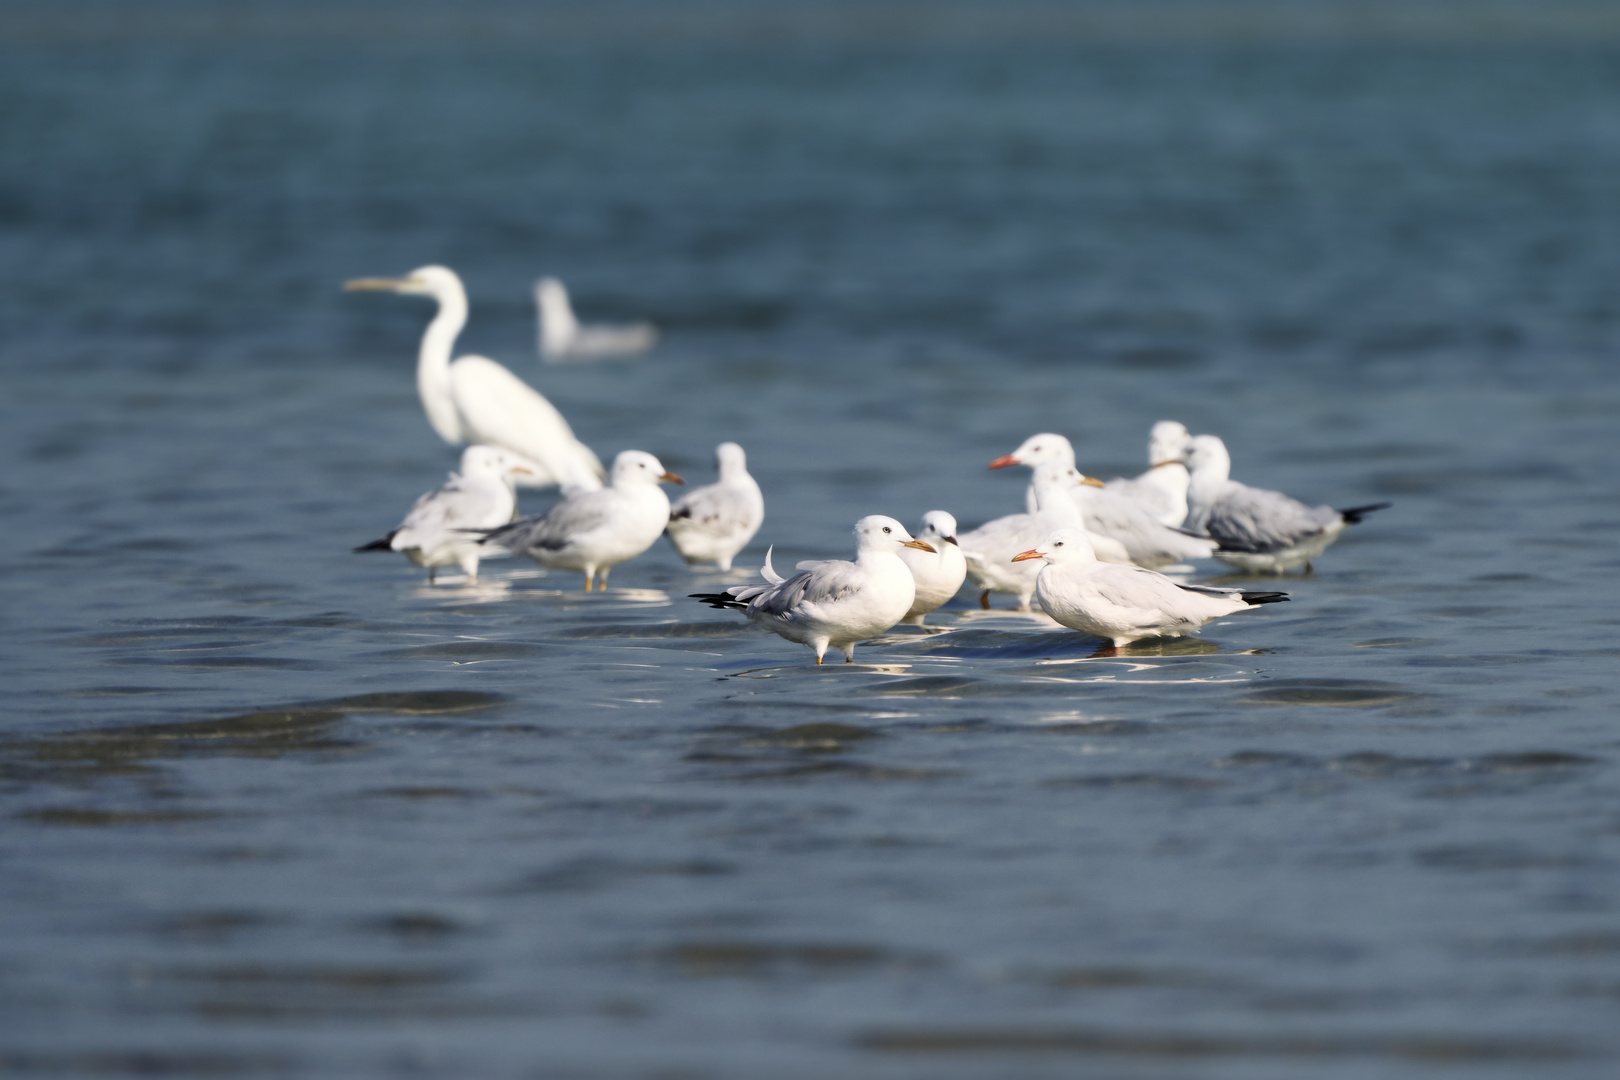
(920, 546)
(374, 284)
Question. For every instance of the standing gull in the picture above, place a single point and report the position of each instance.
(435, 532)
(1110, 515)
(476, 400)
(938, 575)
(1164, 486)
(714, 522)
(990, 548)
(1258, 530)
(834, 603)
(597, 530)
(562, 337)
(1125, 603)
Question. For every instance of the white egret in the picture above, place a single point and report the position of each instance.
(476, 400)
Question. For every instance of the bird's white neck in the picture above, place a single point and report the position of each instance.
(558, 327)
(433, 365)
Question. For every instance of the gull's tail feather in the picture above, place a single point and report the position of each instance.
(1254, 598)
(1354, 515)
(383, 544)
(719, 601)
(768, 572)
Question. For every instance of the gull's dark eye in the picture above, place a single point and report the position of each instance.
(1058, 544)
(887, 529)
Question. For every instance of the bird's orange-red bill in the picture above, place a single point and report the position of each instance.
(1032, 553)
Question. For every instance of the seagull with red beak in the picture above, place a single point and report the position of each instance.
(1125, 603)
(1110, 515)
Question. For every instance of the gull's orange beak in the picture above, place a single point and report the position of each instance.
(670, 478)
(1032, 553)
(1092, 481)
(919, 545)
(1004, 461)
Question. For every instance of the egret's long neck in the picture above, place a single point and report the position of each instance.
(433, 365)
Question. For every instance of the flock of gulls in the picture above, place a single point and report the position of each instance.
(1091, 554)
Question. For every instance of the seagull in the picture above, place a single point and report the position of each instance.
(1125, 603)
(834, 603)
(939, 575)
(714, 522)
(1258, 530)
(596, 530)
(476, 400)
(1110, 515)
(563, 338)
(1164, 486)
(435, 532)
(989, 548)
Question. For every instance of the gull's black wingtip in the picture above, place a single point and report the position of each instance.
(1354, 515)
(719, 601)
(1254, 598)
(381, 544)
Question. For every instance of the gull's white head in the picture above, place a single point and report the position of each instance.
(637, 467)
(938, 528)
(1057, 476)
(730, 460)
(551, 294)
(876, 532)
(1207, 456)
(492, 461)
(1167, 442)
(1063, 546)
(1038, 450)
(439, 282)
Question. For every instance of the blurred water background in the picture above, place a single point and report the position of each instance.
(271, 808)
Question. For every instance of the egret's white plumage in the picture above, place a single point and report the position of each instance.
(476, 400)
(1111, 515)
(563, 337)
(1256, 529)
(938, 574)
(990, 548)
(436, 531)
(1124, 603)
(594, 531)
(1164, 486)
(834, 603)
(714, 522)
